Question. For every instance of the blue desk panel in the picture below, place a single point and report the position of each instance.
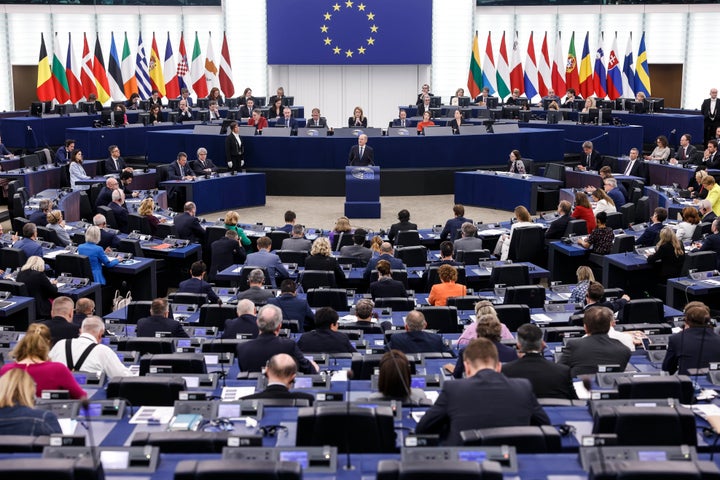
(131, 141)
(33, 132)
(224, 192)
(46, 177)
(608, 139)
(657, 124)
(505, 192)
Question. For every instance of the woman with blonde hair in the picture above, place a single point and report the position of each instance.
(589, 103)
(523, 220)
(342, 225)
(585, 277)
(375, 244)
(17, 415)
(321, 259)
(146, 209)
(56, 223)
(440, 292)
(32, 274)
(358, 119)
(483, 307)
(603, 202)
(232, 218)
(669, 254)
(31, 354)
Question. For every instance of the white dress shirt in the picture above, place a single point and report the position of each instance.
(101, 358)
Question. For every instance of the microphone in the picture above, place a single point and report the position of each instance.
(348, 465)
(85, 408)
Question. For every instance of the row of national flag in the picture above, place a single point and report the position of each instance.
(610, 75)
(125, 74)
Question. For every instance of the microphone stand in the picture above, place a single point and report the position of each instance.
(348, 464)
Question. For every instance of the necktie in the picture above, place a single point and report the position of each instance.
(587, 161)
(116, 164)
(182, 171)
(684, 153)
(287, 123)
(629, 167)
(362, 149)
(402, 123)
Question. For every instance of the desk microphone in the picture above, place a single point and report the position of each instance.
(85, 407)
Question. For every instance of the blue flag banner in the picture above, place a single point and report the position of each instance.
(350, 32)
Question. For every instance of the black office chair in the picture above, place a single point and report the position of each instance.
(628, 211)
(471, 257)
(237, 469)
(16, 288)
(86, 209)
(412, 256)
(614, 220)
(129, 245)
(160, 391)
(666, 386)
(139, 223)
(635, 195)
(698, 232)
(528, 245)
(513, 316)
(163, 172)
(510, 275)
(638, 425)
(352, 261)
(136, 310)
(642, 209)
(623, 243)
(433, 277)
(184, 298)
(215, 315)
(293, 256)
(277, 237)
(576, 227)
(645, 310)
(700, 261)
(17, 224)
(462, 303)
(438, 470)
(399, 275)
(179, 362)
(44, 233)
(189, 442)
(345, 239)
(317, 279)
(407, 238)
(76, 265)
(214, 233)
(12, 257)
(660, 470)
(400, 304)
(143, 345)
(442, 319)
(109, 216)
(25, 194)
(335, 298)
(245, 272)
(13, 187)
(55, 468)
(527, 439)
(94, 191)
(531, 295)
(16, 207)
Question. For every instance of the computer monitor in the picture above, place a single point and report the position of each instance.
(492, 102)
(87, 107)
(143, 118)
(435, 102)
(546, 103)
(634, 107)
(578, 104)
(203, 102)
(606, 115)
(656, 104)
(525, 115)
(260, 101)
(510, 112)
(174, 103)
(554, 116)
(605, 104)
(555, 171)
(523, 102)
(114, 104)
(203, 115)
(36, 109)
(463, 101)
(232, 102)
(288, 101)
(65, 108)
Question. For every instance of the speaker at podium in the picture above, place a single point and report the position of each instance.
(362, 192)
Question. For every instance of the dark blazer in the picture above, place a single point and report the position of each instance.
(242, 324)
(295, 308)
(103, 199)
(417, 342)
(351, 122)
(421, 110)
(39, 286)
(683, 157)
(321, 121)
(245, 112)
(387, 288)
(234, 151)
(556, 229)
(684, 350)
(253, 355)
(327, 263)
(121, 217)
(62, 156)
(705, 109)
(368, 157)
(184, 116)
(709, 217)
(618, 197)
(188, 228)
(408, 123)
(108, 239)
(39, 218)
(195, 285)
(175, 172)
(110, 165)
(454, 126)
(669, 264)
(280, 122)
(400, 227)
(223, 253)
(357, 251)
(712, 244)
(548, 379)
(452, 226)
(505, 354)
(199, 169)
(280, 391)
(326, 341)
(508, 402)
(583, 355)
(149, 326)
(395, 264)
(650, 235)
(595, 161)
(61, 329)
(638, 169)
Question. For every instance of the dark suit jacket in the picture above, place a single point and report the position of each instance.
(583, 355)
(684, 350)
(650, 235)
(668, 264)
(638, 169)
(39, 218)
(417, 342)
(595, 161)
(242, 324)
(149, 326)
(175, 173)
(295, 308)
(408, 123)
(253, 355)
(61, 329)
(29, 246)
(110, 165)
(280, 122)
(712, 244)
(690, 156)
(368, 158)
(103, 199)
(548, 379)
(451, 228)
(326, 341)
(188, 228)
(199, 169)
(311, 123)
(556, 229)
(280, 391)
(387, 288)
(357, 251)
(40, 287)
(121, 216)
(245, 112)
(508, 402)
(400, 227)
(195, 285)
(326, 263)
(421, 110)
(351, 122)
(395, 264)
(233, 151)
(705, 109)
(184, 116)
(108, 239)
(223, 253)
(454, 126)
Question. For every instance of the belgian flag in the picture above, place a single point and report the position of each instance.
(45, 89)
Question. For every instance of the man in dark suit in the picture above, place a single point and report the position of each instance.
(556, 229)
(256, 291)
(289, 218)
(107, 238)
(386, 253)
(234, 149)
(583, 355)
(424, 106)
(635, 166)
(315, 120)
(425, 90)
(361, 155)
(263, 258)
(184, 111)
(402, 121)
(650, 235)
(119, 211)
(594, 296)
(104, 198)
(61, 324)
(548, 379)
(706, 212)
(253, 355)
(297, 242)
(696, 346)
(203, 165)
(115, 164)
(158, 321)
(453, 226)
(281, 371)
(224, 252)
(287, 120)
(711, 114)
(39, 216)
(590, 159)
(196, 284)
(293, 307)
(325, 338)
(247, 109)
(711, 157)
(358, 248)
(612, 188)
(686, 152)
(62, 156)
(402, 226)
(154, 100)
(179, 169)
(414, 339)
(188, 226)
(508, 402)
(245, 323)
(711, 243)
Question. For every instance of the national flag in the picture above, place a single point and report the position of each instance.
(503, 71)
(60, 83)
(197, 71)
(87, 77)
(72, 69)
(101, 80)
(128, 70)
(475, 80)
(157, 82)
(558, 69)
(226, 83)
(628, 75)
(600, 77)
(614, 76)
(488, 73)
(183, 66)
(516, 71)
(531, 74)
(141, 71)
(211, 70)
(544, 78)
(115, 78)
(586, 72)
(572, 79)
(642, 73)
(172, 88)
(45, 90)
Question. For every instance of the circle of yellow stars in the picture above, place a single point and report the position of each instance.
(327, 19)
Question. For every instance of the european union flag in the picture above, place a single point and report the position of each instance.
(350, 32)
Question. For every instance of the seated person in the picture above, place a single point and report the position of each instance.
(321, 259)
(650, 236)
(489, 327)
(292, 306)
(394, 381)
(256, 293)
(447, 287)
(600, 240)
(281, 371)
(158, 321)
(415, 339)
(385, 285)
(469, 240)
(196, 284)
(365, 318)
(244, 323)
(17, 415)
(696, 346)
(325, 338)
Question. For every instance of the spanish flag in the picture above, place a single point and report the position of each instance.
(45, 89)
(157, 81)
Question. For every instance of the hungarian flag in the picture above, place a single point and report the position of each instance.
(60, 83)
(172, 89)
(101, 80)
(197, 71)
(226, 82)
(503, 71)
(572, 79)
(87, 77)
(72, 67)
(157, 82)
(45, 89)
(474, 82)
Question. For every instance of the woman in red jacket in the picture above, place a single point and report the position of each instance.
(583, 210)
